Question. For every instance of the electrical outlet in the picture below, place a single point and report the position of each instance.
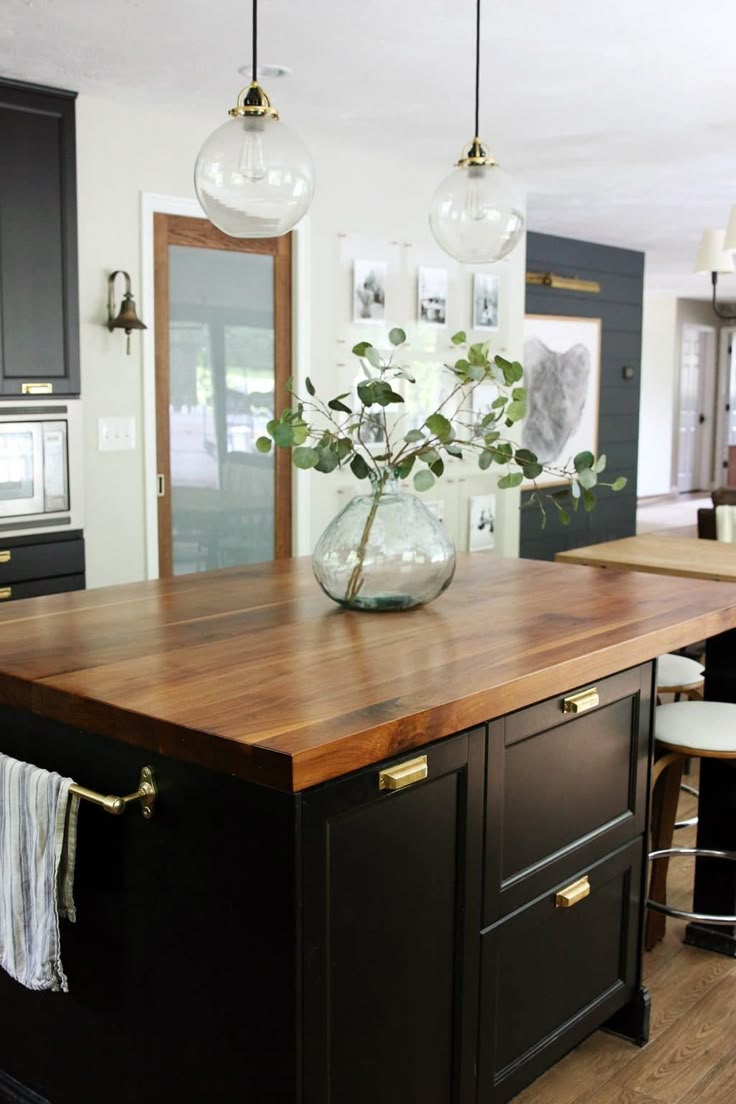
(116, 434)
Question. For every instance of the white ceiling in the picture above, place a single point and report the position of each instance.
(618, 117)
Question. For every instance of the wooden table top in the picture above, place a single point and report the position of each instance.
(254, 672)
(661, 555)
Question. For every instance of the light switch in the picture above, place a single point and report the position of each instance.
(116, 434)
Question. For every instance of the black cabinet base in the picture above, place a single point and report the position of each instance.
(632, 1021)
(716, 940)
(12, 1092)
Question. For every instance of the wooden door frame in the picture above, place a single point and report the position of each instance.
(197, 232)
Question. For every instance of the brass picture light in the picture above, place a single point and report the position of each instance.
(126, 319)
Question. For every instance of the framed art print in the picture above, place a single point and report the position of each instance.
(485, 301)
(369, 291)
(432, 296)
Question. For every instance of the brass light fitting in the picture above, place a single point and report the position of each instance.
(562, 283)
(475, 153)
(253, 101)
(126, 318)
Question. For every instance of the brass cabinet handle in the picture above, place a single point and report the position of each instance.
(578, 703)
(5, 593)
(6, 556)
(36, 388)
(405, 774)
(573, 894)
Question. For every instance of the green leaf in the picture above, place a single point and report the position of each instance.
(361, 348)
(263, 444)
(439, 426)
(531, 471)
(588, 500)
(283, 435)
(327, 460)
(584, 460)
(384, 394)
(423, 480)
(476, 372)
(373, 357)
(502, 452)
(310, 386)
(403, 470)
(366, 392)
(499, 402)
(438, 468)
(358, 467)
(515, 411)
(299, 434)
(563, 516)
(619, 484)
(600, 464)
(485, 460)
(305, 458)
(344, 447)
(526, 456)
(397, 336)
(458, 338)
(429, 456)
(575, 492)
(519, 394)
(454, 450)
(513, 479)
(587, 478)
(489, 438)
(413, 435)
(336, 404)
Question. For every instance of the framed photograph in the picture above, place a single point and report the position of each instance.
(369, 291)
(432, 296)
(481, 522)
(562, 369)
(485, 301)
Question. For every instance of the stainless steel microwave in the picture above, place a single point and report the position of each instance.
(40, 467)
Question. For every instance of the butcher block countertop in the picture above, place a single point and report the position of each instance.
(254, 672)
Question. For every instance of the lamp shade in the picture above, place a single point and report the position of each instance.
(730, 242)
(712, 255)
(474, 214)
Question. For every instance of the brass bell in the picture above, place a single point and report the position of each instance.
(126, 319)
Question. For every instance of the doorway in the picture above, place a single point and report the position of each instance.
(223, 359)
(696, 422)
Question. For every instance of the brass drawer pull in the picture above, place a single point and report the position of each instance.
(5, 593)
(578, 703)
(6, 556)
(406, 774)
(573, 894)
(36, 388)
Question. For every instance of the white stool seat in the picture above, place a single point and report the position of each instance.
(676, 671)
(699, 727)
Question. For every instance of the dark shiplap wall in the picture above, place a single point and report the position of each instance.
(620, 272)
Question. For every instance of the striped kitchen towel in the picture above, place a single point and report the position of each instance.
(38, 836)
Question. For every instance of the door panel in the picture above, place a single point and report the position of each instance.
(222, 361)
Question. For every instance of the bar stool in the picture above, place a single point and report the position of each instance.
(691, 729)
(680, 676)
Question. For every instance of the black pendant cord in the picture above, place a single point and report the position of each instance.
(255, 40)
(477, 69)
(723, 315)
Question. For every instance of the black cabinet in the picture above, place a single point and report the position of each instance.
(44, 564)
(39, 310)
(391, 938)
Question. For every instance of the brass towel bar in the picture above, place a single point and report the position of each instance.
(146, 793)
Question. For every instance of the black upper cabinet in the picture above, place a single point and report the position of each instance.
(39, 309)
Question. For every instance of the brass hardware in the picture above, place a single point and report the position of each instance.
(6, 556)
(406, 774)
(562, 283)
(573, 894)
(36, 388)
(146, 793)
(579, 703)
(253, 101)
(160, 485)
(5, 593)
(126, 319)
(475, 153)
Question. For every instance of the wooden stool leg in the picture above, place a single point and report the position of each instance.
(668, 776)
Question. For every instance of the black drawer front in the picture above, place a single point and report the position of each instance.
(550, 975)
(38, 587)
(564, 789)
(40, 561)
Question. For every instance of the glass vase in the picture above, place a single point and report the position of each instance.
(384, 551)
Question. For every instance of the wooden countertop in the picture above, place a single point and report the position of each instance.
(660, 555)
(254, 672)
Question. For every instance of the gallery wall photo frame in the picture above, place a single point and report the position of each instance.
(481, 523)
(562, 370)
(486, 302)
(432, 293)
(370, 278)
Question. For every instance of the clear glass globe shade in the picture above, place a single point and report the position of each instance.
(474, 214)
(254, 178)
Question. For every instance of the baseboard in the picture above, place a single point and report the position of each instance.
(12, 1092)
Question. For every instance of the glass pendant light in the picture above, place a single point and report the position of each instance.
(253, 177)
(474, 214)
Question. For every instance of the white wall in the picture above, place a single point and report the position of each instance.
(363, 207)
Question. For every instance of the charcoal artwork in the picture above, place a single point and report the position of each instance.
(557, 385)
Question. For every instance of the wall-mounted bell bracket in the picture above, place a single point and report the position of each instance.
(126, 318)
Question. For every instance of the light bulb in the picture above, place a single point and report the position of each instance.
(474, 214)
(252, 161)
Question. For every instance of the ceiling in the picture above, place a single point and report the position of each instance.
(619, 118)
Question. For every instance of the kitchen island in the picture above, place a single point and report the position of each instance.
(393, 857)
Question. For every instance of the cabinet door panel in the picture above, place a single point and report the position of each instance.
(550, 975)
(391, 930)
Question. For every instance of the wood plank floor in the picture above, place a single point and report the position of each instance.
(691, 1057)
